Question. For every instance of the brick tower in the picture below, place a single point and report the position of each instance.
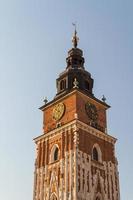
(75, 158)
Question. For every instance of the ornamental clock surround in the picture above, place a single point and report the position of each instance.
(91, 111)
(58, 111)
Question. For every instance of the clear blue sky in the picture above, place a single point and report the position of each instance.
(35, 36)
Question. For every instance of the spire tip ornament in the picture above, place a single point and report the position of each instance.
(45, 100)
(103, 98)
(75, 39)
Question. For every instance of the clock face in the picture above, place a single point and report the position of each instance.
(58, 111)
(91, 111)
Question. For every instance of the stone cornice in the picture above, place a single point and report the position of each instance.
(68, 126)
(73, 126)
(96, 132)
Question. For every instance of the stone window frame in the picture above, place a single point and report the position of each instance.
(99, 152)
(54, 148)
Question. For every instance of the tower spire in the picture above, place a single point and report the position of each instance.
(75, 39)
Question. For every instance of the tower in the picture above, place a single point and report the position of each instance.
(75, 156)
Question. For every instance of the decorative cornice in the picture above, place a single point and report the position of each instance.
(96, 132)
(74, 125)
(68, 126)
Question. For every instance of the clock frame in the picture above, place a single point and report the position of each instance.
(58, 111)
(91, 111)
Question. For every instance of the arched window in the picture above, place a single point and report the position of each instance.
(54, 155)
(87, 85)
(63, 84)
(96, 153)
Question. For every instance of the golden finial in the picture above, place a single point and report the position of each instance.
(75, 39)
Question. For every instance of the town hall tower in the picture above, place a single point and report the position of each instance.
(75, 156)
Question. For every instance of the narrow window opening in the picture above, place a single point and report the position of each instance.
(87, 85)
(95, 155)
(56, 153)
(63, 85)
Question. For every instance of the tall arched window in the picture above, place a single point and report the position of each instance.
(63, 84)
(96, 153)
(54, 155)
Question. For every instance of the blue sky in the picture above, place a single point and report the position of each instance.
(35, 36)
